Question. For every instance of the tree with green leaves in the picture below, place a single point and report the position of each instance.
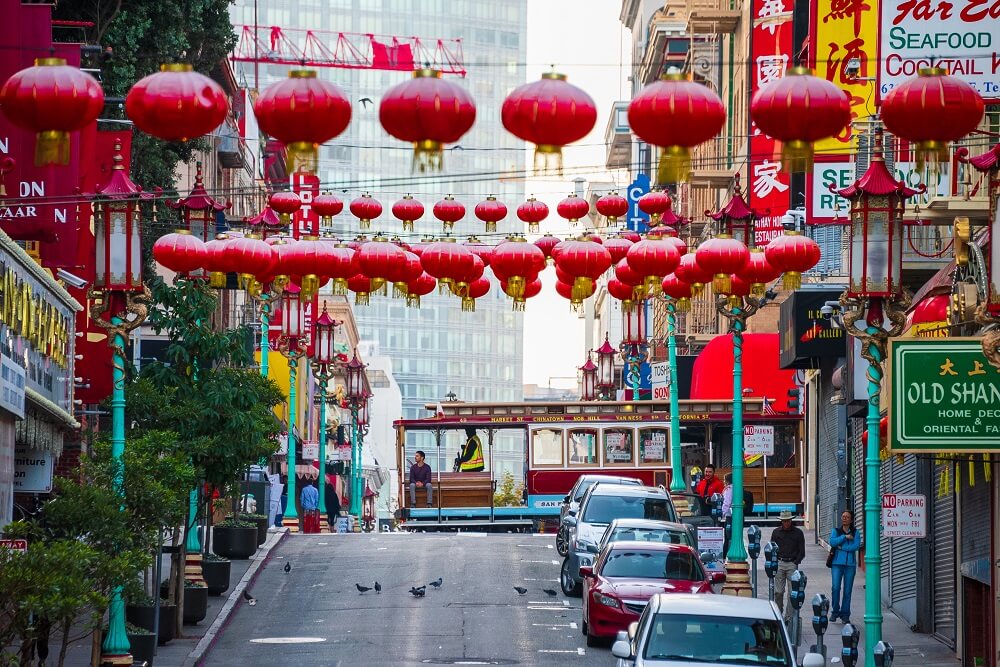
(509, 493)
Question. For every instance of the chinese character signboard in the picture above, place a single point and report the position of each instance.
(840, 174)
(904, 515)
(961, 37)
(768, 187)
(945, 397)
(305, 220)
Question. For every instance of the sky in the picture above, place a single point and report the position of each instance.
(584, 40)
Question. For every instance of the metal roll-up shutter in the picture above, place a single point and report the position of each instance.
(945, 572)
(826, 462)
(858, 470)
(899, 555)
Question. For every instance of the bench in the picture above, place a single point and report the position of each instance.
(455, 489)
(783, 484)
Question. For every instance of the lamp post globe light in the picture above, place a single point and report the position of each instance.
(117, 293)
(357, 399)
(589, 373)
(633, 347)
(323, 363)
(606, 369)
(292, 345)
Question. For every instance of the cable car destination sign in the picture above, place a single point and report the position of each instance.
(945, 396)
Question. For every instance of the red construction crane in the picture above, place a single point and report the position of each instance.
(319, 48)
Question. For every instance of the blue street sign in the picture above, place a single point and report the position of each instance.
(637, 220)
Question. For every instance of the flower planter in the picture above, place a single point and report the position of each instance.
(195, 604)
(142, 647)
(141, 616)
(168, 612)
(262, 525)
(216, 574)
(235, 542)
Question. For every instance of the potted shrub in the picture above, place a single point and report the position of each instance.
(215, 569)
(142, 643)
(168, 614)
(235, 539)
(195, 602)
(141, 612)
(260, 520)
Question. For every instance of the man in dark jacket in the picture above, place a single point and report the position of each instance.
(791, 552)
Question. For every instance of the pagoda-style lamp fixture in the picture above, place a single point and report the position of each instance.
(292, 345)
(606, 354)
(589, 372)
(198, 211)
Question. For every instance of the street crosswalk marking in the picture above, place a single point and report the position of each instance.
(572, 626)
(577, 651)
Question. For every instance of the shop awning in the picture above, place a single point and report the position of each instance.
(762, 375)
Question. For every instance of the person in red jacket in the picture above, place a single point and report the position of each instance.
(709, 485)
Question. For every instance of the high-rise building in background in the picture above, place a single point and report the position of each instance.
(438, 349)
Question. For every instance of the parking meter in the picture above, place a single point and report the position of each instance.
(797, 596)
(770, 567)
(883, 654)
(849, 636)
(716, 501)
(821, 621)
(753, 550)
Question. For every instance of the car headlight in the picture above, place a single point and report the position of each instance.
(583, 544)
(586, 561)
(607, 600)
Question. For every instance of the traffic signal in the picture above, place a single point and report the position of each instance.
(793, 399)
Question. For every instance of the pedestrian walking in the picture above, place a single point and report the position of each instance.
(332, 502)
(791, 552)
(309, 499)
(845, 541)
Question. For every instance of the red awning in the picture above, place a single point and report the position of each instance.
(712, 378)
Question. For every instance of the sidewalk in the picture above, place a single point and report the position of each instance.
(198, 638)
(912, 648)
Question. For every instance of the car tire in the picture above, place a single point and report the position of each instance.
(569, 587)
(562, 541)
(583, 628)
(593, 641)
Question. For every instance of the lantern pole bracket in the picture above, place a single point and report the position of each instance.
(136, 304)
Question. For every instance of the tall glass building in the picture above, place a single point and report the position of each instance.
(436, 349)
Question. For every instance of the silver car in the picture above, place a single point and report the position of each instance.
(571, 503)
(681, 630)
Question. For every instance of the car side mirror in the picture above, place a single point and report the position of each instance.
(717, 577)
(621, 648)
(586, 571)
(570, 520)
(566, 498)
(633, 628)
(813, 660)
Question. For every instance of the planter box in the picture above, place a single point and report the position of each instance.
(142, 647)
(141, 616)
(167, 614)
(261, 529)
(216, 573)
(195, 605)
(235, 543)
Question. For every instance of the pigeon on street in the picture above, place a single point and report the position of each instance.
(418, 592)
(378, 587)
(288, 568)
(436, 584)
(549, 592)
(251, 600)
(363, 589)
(521, 590)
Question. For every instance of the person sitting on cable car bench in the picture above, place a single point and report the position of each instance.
(471, 457)
(420, 478)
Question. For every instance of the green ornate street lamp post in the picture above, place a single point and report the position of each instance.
(292, 346)
(357, 397)
(323, 363)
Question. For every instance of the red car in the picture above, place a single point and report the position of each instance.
(627, 574)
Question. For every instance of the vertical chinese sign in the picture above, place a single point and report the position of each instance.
(842, 31)
(768, 190)
(305, 223)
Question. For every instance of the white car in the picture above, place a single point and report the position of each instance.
(698, 630)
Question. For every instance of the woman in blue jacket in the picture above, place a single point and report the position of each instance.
(845, 542)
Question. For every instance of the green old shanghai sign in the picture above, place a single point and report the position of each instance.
(945, 396)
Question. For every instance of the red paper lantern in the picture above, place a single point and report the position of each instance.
(379, 259)
(792, 254)
(428, 112)
(51, 99)
(585, 261)
(340, 263)
(477, 289)
(573, 208)
(307, 259)
(722, 256)
(449, 211)
(932, 110)
(678, 290)
(532, 212)
(285, 204)
(302, 112)
(363, 286)
(798, 110)
(403, 273)
(612, 206)
(653, 259)
(480, 249)
(447, 261)
(366, 208)
(461, 284)
(217, 262)
(491, 212)
(573, 294)
(176, 103)
(549, 113)
(654, 204)
(530, 289)
(517, 262)
(634, 237)
(758, 271)
(676, 115)
(253, 258)
(423, 285)
(618, 247)
(691, 272)
(407, 210)
(547, 243)
(626, 273)
(179, 252)
(623, 292)
(738, 288)
(282, 247)
(326, 206)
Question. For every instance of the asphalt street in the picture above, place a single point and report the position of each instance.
(314, 614)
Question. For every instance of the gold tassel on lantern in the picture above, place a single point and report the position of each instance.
(246, 281)
(518, 305)
(51, 147)
(413, 301)
(758, 289)
(548, 159)
(340, 286)
(639, 292)
(515, 288)
(302, 156)
(378, 286)
(468, 304)
(217, 280)
(310, 285)
(697, 289)
(361, 298)
(683, 305)
(675, 164)
(652, 285)
(792, 280)
(734, 300)
(427, 156)
(722, 283)
(796, 155)
(534, 228)
(583, 287)
(400, 290)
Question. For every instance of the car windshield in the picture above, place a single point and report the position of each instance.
(641, 564)
(604, 509)
(720, 640)
(661, 535)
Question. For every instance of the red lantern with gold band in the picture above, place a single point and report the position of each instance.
(303, 112)
(612, 206)
(447, 261)
(407, 210)
(533, 212)
(572, 208)
(477, 289)
(180, 251)
(585, 261)
(423, 285)
(217, 263)
(798, 110)
(491, 212)
(428, 112)
(623, 292)
(678, 290)
(341, 264)
(253, 257)
(521, 294)
(549, 113)
(449, 211)
(574, 294)
(792, 254)
(379, 259)
(546, 243)
(285, 204)
(618, 247)
(366, 208)
(517, 262)
(460, 286)
(932, 110)
(51, 99)
(653, 259)
(691, 272)
(176, 103)
(326, 206)
(758, 271)
(480, 249)
(654, 204)
(363, 286)
(722, 256)
(676, 115)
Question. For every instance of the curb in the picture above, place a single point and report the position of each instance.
(197, 656)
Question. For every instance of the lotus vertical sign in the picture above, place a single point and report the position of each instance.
(945, 397)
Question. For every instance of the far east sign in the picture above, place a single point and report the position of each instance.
(945, 397)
